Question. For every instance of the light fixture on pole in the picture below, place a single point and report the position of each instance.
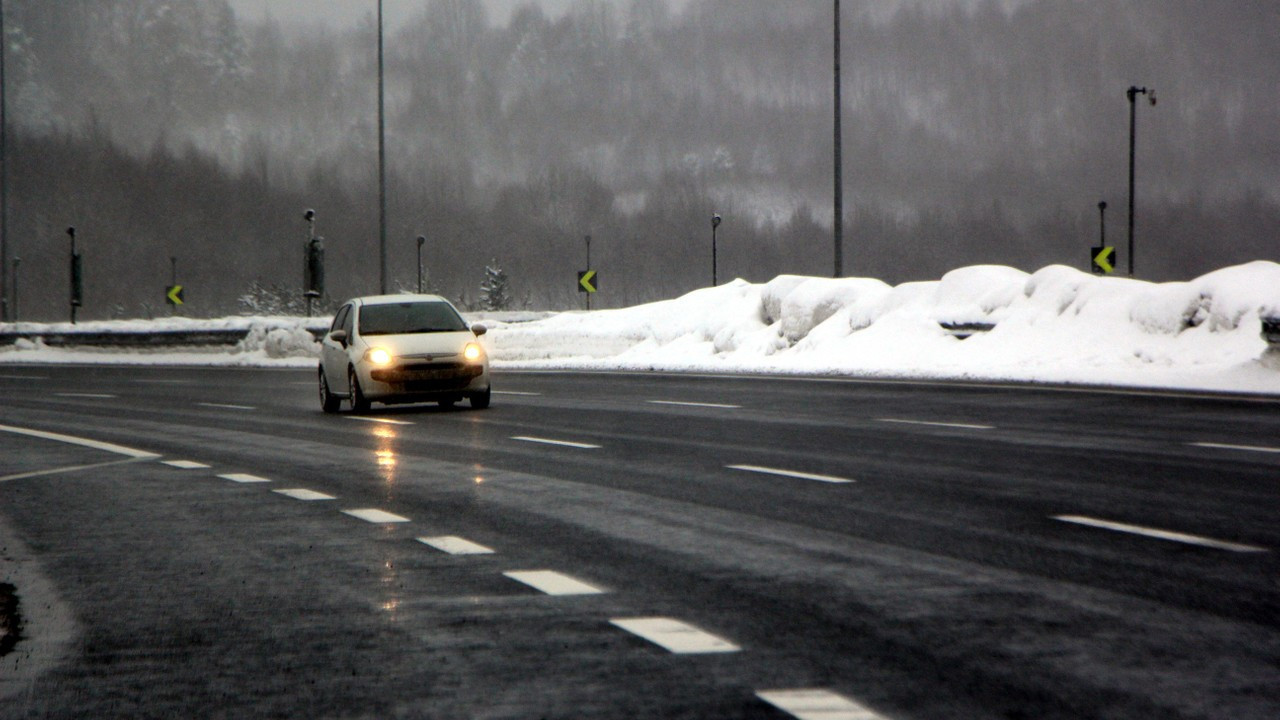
(1132, 93)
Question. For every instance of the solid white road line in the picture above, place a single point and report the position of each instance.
(1226, 446)
(1159, 534)
(69, 469)
(455, 545)
(24, 377)
(185, 464)
(387, 421)
(243, 478)
(516, 392)
(562, 443)
(225, 406)
(963, 426)
(553, 583)
(304, 494)
(376, 516)
(694, 404)
(83, 442)
(817, 704)
(790, 473)
(675, 636)
(85, 395)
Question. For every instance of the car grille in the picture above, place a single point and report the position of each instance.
(428, 376)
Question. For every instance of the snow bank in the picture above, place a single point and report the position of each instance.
(1055, 325)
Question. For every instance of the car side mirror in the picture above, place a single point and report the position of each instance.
(339, 336)
(479, 329)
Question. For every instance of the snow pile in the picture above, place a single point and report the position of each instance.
(1056, 325)
(279, 342)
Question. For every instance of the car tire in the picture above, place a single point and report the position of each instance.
(359, 404)
(328, 401)
(480, 400)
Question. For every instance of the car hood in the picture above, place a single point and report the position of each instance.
(439, 344)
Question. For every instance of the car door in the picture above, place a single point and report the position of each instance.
(333, 353)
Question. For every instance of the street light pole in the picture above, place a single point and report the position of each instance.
(1132, 94)
(382, 168)
(4, 193)
(16, 262)
(421, 239)
(838, 215)
(715, 223)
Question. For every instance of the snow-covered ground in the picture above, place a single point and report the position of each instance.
(1058, 325)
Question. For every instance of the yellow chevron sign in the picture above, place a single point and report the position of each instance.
(587, 281)
(173, 295)
(1101, 259)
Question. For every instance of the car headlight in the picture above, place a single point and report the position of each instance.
(378, 356)
(472, 352)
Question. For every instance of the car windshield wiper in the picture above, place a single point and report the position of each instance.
(431, 330)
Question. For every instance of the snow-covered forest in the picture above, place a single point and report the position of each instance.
(976, 131)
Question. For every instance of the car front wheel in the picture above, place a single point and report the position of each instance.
(359, 403)
(480, 400)
(328, 401)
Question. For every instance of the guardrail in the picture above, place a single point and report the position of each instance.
(136, 339)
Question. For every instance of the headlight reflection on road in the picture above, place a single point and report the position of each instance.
(385, 455)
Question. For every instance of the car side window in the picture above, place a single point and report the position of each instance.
(348, 320)
(340, 318)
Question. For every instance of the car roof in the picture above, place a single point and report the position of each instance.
(396, 299)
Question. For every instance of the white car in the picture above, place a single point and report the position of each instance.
(401, 349)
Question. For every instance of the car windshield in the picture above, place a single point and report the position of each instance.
(409, 317)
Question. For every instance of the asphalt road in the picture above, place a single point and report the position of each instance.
(659, 546)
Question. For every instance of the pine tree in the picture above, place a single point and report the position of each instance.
(493, 291)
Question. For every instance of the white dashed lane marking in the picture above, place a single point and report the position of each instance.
(243, 478)
(99, 396)
(561, 443)
(930, 423)
(304, 494)
(1159, 534)
(685, 403)
(516, 392)
(225, 406)
(387, 421)
(790, 473)
(24, 377)
(817, 704)
(185, 464)
(1246, 448)
(455, 545)
(674, 635)
(373, 515)
(553, 583)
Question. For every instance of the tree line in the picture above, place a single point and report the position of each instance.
(975, 132)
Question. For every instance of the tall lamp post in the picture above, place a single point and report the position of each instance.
(1132, 93)
(837, 224)
(421, 239)
(382, 169)
(4, 195)
(715, 223)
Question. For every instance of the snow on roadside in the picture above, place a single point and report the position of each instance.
(1056, 325)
